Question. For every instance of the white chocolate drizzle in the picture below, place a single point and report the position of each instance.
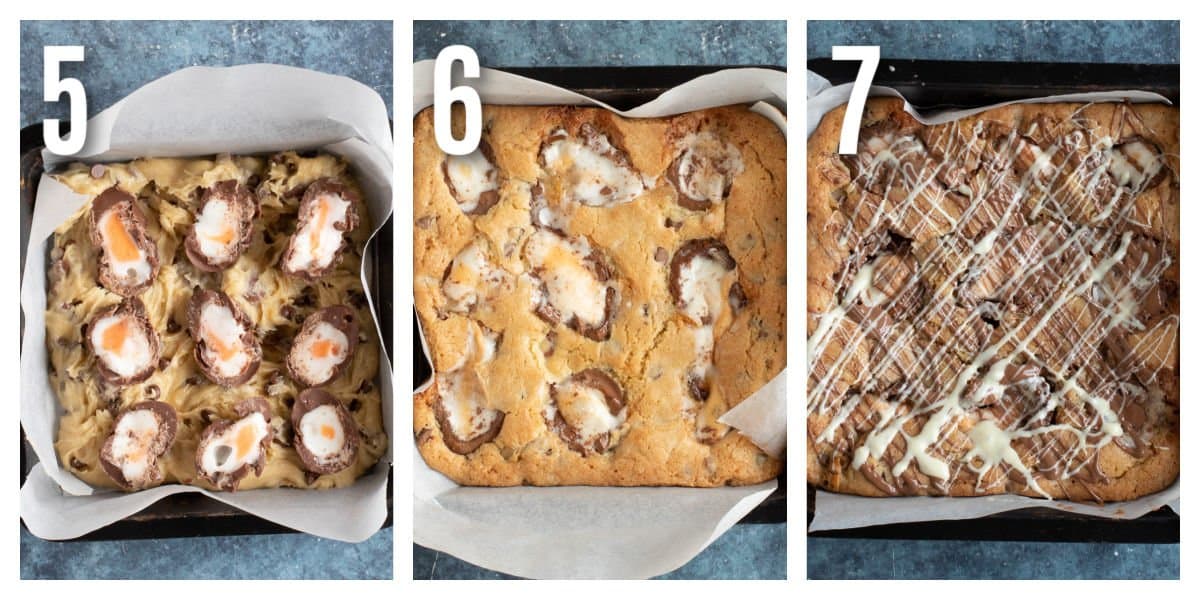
(995, 220)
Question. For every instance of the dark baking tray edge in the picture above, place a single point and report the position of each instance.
(930, 84)
(192, 514)
(625, 88)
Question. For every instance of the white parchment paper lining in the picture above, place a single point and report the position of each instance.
(600, 532)
(193, 112)
(844, 511)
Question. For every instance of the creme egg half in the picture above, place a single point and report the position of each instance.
(222, 334)
(320, 352)
(125, 257)
(238, 445)
(122, 344)
(322, 432)
(134, 434)
(217, 229)
(318, 240)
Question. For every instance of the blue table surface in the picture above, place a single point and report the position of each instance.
(1051, 41)
(121, 56)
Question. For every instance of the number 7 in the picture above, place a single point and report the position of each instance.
(869, 55)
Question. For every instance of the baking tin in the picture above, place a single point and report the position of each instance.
(624, 88)
(192, 514)
(932, 84)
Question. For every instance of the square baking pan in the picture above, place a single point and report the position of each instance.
(624, 88)
(192, 514)
(933, 84)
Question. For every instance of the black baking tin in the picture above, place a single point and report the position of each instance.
(192, 514)
(932, 84)
(624, 88)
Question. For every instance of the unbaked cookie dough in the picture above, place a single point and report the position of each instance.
(169, 193)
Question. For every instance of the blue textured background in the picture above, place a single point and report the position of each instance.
(1049, 41)
(121, 56)
(1055, 41)
(746, 551)
(607, 43)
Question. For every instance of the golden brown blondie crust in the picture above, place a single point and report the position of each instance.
(564, 353)
(993, 303)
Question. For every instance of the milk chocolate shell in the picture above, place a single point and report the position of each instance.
(704, 171)
(494, 420)
(310, 255)
(249, 452)
(127, 257)
(327, 441)
(209, 351)
(123, 359)
(315, 371)
(586, 426)
(216, 240)
(115, 456)
(682, 291)
(478, 187)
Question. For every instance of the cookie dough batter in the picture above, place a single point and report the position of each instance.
(169, 190)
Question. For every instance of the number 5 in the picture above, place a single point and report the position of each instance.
(869, 55)
(53, 89)
(445, 96)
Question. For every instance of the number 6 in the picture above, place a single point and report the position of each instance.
(445, 96)
(869, 55)
(53, 89)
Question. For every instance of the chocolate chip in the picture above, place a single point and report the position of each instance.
(356, 299)
(737, 297)
(365, 387)
(163, 363)
(173, 326)
(193, 380)
(206, 415)
(310, 477)
(307, 297)
(355, 404)
(660, 254)
(78, 465)
(151, 392)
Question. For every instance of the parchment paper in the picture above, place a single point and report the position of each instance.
(203, 111)
(845, 511)
(600, 532)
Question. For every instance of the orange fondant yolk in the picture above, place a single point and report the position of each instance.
(114, 336)
(327, 432)
(323, 348)
(245, 441)
(224, 237)
(224, 350)
(120, 244)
